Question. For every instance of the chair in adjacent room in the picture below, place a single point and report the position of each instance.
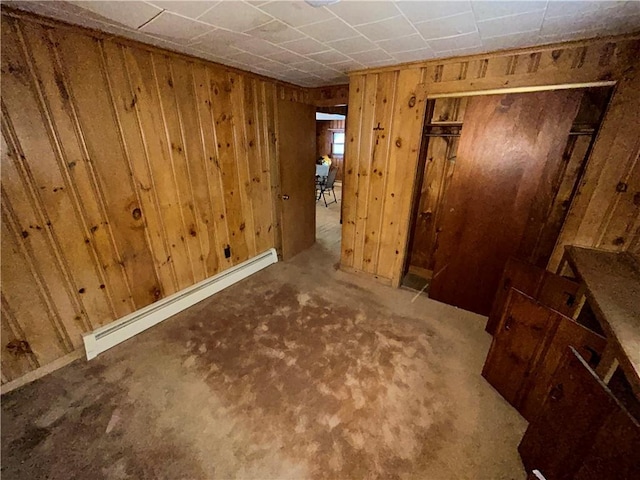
(327, 187)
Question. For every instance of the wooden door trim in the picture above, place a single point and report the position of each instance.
(528, 89)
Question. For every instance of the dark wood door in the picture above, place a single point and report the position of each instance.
(510, 149)
(296, 150)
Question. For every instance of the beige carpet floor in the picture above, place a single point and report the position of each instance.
(301, 371)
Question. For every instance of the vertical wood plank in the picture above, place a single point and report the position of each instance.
(76, 170)
(125, 100)
(381, 144)
(142, 81)
(179, 157)
(89, 91)
(350, 183)
(221, 98)
(405, 134)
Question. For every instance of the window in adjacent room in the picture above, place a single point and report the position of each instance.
(337, 145)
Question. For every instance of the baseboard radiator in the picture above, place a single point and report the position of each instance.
(117, 332)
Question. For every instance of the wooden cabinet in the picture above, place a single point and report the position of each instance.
(550, 359)
(552, 290)
(529, 342)
(582, 431)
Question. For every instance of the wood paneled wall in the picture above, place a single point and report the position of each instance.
(324, 140)
(126, 172)
(386, 114)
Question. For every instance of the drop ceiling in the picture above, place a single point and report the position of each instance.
(307, 46)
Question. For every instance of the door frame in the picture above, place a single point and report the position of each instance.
(403, 265)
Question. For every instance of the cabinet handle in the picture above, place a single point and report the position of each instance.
(507, 324)
(556, 393)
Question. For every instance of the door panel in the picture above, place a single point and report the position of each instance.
(575, 409)
(296, 150)
(519, 275)
(568, 334)
(517, 344)
(510, 148)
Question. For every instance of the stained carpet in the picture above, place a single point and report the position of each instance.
(300, 371)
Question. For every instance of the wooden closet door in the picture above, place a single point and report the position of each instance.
(509, 152)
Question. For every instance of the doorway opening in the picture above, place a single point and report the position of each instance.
(496, 176)
(330, 156)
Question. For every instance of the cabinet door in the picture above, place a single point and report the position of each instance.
(558, 439)
(517, 344)
(615, 452)
(559, 293)
(519, 275)
(567, 334)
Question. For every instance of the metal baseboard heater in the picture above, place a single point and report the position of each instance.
(120, 330)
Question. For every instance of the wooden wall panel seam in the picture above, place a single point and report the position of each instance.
(172, 162)
(15, 327)
(93, 181)
(43, 291)
(212, 228)
(127, 155)
(80, 206)
(154, 190)
(49, 236)
(54, 241)
(186, 149)
(242, 162)
(386, 169)
(364, 172)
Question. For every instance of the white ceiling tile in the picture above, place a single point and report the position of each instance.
(304, 46)
(296, 14)
(572, 8)
(347, 65)
(292, 41)
(420, 11)
(353, 45)
(219, 42)
(191, 9)
(401, 44)
(333, 29)
(372, 56)
(257, 46)
(286, 57)
(235, 16)
(580, 23)
(358, 13)
(131, 14)
(524, 22)
(455, 43)
(328, 57)
(390, 28)
(276, 32)
(485, 10)
(175, 27)
(310, 66)
(523, 39)
(448, 26)
(415, 55)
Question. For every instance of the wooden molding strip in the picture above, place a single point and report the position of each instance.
(42, 371)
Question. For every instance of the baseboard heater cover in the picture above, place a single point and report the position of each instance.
(116, 332)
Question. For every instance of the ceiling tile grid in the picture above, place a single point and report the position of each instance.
(314, 46)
